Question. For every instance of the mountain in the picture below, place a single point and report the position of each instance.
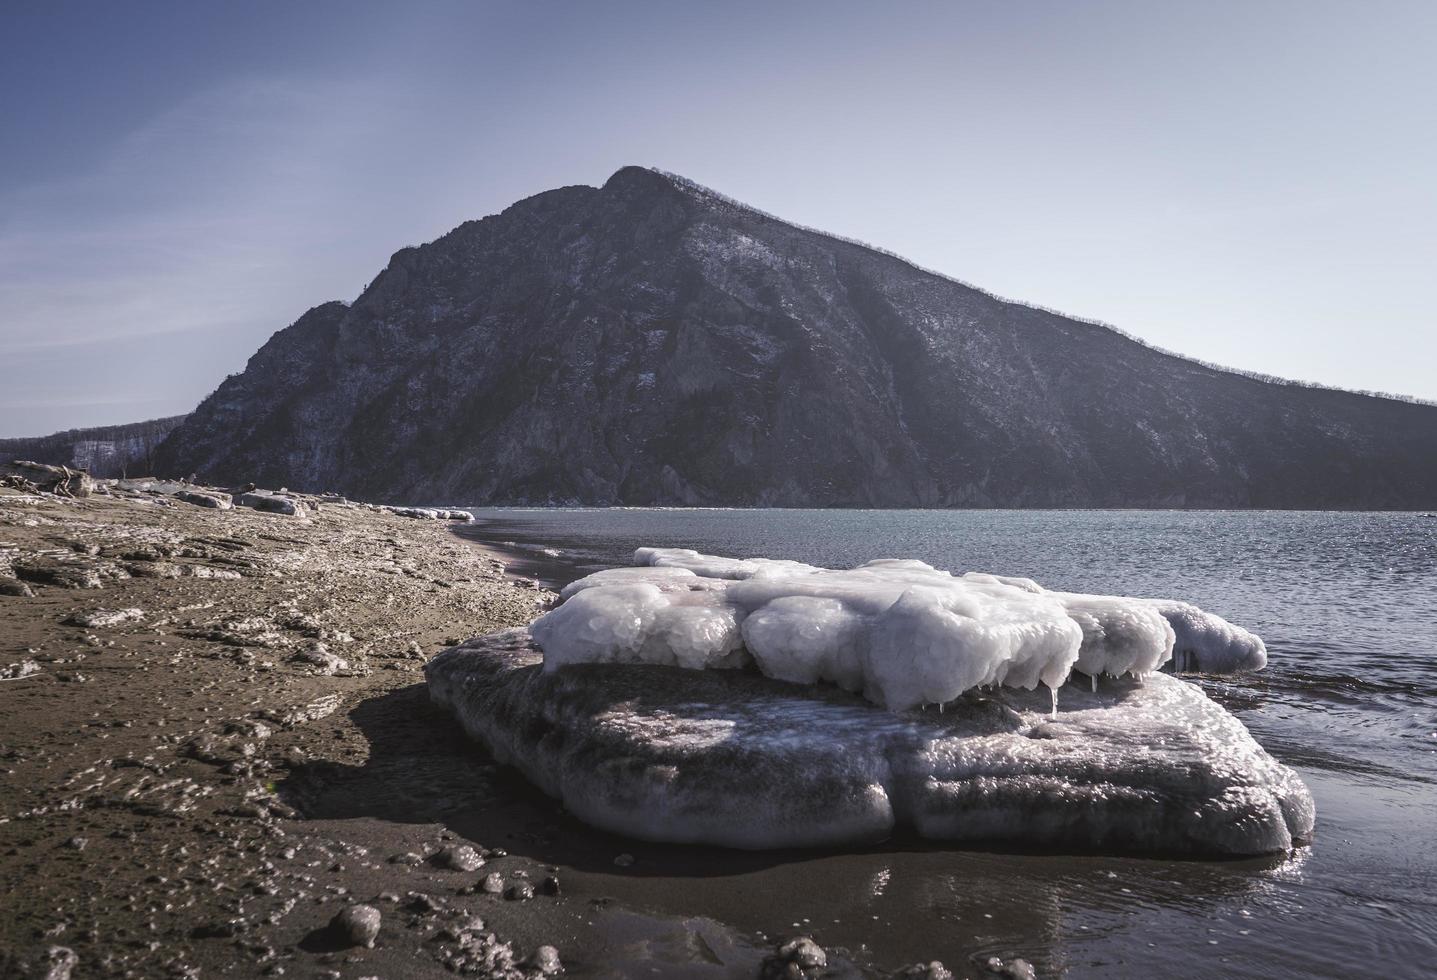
(107, 451)
(652, 342)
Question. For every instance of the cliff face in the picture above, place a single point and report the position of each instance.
(648, 342)
(106, 451)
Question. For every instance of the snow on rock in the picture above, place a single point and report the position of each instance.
(737, 759)
(273, 503)
(101, 618)
(898, 631)
(429, 513)
(206, 498)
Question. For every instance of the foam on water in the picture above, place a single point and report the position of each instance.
(898, 631)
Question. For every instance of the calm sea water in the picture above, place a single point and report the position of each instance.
(1347, 604)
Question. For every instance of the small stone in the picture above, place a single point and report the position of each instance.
(58, 963)
(77, 843)
(549, 886)
(624, 861)
(1014, 969)
(317, 655)
(357, 924)
(492, 884)
(221, 929)
(24, 668)
(424, 904)
(794, 959)
(409, 857)
(805, 952)
(460, 857)
(520, 892)
(546, 960)
(924, 971)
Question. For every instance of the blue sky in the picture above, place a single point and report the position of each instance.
(1250, 183)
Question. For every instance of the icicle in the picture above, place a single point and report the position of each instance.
(1054, 712)
(940, 707)
(1094, 679)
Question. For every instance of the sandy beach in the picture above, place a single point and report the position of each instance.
(215, 737)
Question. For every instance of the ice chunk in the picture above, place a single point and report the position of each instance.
(601, 624)
(806, 639)
(1209, 644)
(666, 579)
(899, 631)
(638, 623)
(1120, 636)
(736, 759)
(712, 566)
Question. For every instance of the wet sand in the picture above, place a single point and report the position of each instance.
(197, 788)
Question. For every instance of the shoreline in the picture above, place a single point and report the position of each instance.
(194, 751)
(525, 565)
(217, 736)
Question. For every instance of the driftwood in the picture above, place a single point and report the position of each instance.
(62, 480)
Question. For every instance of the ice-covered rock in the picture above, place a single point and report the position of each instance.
(214, 499)
(317, 655)
(60, 480)
(357, 925)
(897, 630)
(103, 618)
(430, 513)
(273, 503)
(737, 759)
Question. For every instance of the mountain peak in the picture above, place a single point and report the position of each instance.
(605, 346)
(635, 178)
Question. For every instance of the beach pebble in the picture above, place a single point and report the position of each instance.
(357, 924)
(56, 964)
(424, 904)
(924, 971)
(795, 959)
(460, 857)
(493, 883)
(520, 892)
(317, 655)
(546, 960)
(1014, 969)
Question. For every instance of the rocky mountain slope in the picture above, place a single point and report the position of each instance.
(106, 451)
(651, 342)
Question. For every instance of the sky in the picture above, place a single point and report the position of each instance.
(1251, 183)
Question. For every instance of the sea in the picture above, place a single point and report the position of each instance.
(1347, 605)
